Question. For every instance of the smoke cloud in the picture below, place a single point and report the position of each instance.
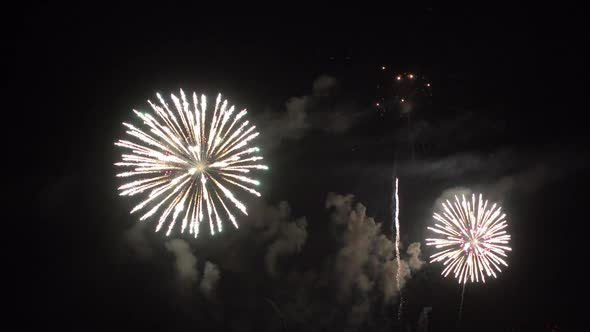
(291, 238)
(414, 260)
(351, 278)
(187, 271)
(324, 85)
(137, 240)
(449, 194)
(342, 205)
(423, 319)
(186, 262)
(211, 276)
(365, 268)
(304, 113)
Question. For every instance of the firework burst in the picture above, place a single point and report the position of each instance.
(473, 239)
(186, 162)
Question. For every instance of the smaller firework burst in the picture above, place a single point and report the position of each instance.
(473, 239)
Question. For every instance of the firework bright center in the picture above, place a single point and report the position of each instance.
(199, 167)
(470, 244)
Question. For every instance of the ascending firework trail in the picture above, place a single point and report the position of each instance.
(398, 274)
(461, 305)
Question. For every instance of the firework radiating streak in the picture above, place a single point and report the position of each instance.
(397, 254)
(187, 162)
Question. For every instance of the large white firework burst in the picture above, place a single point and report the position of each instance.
(473, 239)
(185, 162)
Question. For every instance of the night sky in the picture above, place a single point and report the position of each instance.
(502, 120)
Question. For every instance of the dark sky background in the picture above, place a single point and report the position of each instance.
(502, 120)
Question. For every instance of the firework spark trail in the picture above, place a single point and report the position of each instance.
(473, 239)
(278, 311)
(187, 159)
(397, 235)
(461, 305)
